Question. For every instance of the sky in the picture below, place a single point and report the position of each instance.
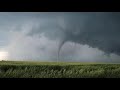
(62, 36)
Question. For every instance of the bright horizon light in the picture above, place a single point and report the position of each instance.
(3, 55)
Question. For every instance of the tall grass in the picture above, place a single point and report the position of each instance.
(9, 69)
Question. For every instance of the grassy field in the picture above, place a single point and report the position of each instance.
(19, 69)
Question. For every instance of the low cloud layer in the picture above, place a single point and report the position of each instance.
(74, 36)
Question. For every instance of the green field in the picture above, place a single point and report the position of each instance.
(20, 69)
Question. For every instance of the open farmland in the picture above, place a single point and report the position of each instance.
(25, 69)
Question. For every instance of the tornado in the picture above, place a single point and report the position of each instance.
(62, 42)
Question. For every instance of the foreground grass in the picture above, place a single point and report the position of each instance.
(14, 69)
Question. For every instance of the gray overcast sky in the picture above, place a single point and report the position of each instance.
(75, 36)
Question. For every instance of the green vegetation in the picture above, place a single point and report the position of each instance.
(15, 69)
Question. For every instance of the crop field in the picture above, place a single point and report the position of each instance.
(25, 69)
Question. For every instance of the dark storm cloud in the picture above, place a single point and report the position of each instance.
(97, 29)
(84, 35)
